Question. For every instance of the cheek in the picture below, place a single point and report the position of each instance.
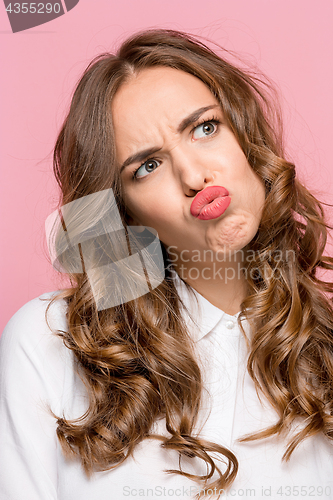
(145, 212)
(149, 205)
(134, 203)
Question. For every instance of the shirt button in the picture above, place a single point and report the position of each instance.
(230, 325)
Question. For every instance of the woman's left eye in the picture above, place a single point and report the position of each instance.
(205, 129)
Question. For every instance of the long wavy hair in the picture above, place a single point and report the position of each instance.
(137, 359)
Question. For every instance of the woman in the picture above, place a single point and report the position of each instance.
(222, 373)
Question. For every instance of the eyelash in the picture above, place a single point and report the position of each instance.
(214, 120)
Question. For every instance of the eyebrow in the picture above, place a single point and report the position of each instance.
(142, 155)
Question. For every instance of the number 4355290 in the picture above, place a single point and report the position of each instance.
(304, 491)
(33, 8)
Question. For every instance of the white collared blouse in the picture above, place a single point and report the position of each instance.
(36, 368)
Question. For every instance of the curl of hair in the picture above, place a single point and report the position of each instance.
(137, 360)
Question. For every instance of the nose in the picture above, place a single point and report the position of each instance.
(191, 170)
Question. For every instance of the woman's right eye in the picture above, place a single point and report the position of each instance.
(145, 169)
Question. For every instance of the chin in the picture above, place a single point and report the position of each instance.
(233, 235)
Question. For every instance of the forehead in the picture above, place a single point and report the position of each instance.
(154, 85)
(157, 98)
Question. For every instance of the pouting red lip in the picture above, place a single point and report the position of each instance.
(202, 199)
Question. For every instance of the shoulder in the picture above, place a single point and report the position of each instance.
(31, 317)
(29, 335)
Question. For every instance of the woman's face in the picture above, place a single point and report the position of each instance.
(167, 155)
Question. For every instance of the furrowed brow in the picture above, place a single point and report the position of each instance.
(142, 155)
(138, 157)
(193, 117)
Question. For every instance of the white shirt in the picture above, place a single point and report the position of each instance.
(36, 368)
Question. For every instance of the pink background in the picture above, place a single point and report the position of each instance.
(291, 40)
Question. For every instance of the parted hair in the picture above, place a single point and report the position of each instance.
(137, 359)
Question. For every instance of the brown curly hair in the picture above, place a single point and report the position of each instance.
(137, 359)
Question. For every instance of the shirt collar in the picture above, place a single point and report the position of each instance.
(200, 315)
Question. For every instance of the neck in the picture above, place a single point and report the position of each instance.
(223, 284)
